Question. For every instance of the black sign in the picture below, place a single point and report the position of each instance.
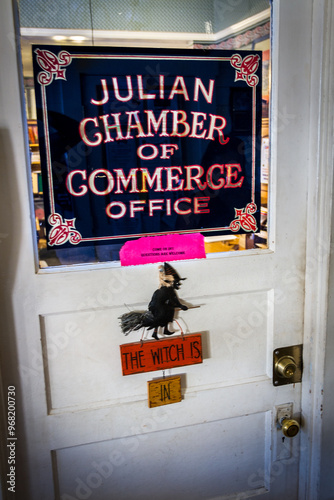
(145, 142)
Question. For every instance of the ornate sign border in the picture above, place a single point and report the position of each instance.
(53, 67)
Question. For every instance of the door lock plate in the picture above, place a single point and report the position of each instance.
(287, 365)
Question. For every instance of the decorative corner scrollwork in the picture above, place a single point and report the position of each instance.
(52, 65)
(246, 68)
(244, 219)
(63, 231)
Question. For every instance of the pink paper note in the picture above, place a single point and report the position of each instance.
(166, 248)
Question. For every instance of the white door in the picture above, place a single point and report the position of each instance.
(84, 430)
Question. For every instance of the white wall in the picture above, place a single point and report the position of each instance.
(327, 454)
(15, 227)
(326, 483)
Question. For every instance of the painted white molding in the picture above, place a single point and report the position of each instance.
(247, 24)
(318, 243)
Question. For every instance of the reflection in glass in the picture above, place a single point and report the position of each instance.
(222, 25)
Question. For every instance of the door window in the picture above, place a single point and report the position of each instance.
(233, 25)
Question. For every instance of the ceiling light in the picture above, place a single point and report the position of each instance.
(78, 38)
(58, 38)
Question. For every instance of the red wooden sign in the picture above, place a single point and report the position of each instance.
(155, 355)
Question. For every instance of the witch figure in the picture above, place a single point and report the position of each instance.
(161, 308)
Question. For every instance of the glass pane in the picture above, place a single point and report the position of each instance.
(227, 25)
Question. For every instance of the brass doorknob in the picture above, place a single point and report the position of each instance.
(285, 367)
(290, 427)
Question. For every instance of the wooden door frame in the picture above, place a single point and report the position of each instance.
(318, 228)
(320, 194)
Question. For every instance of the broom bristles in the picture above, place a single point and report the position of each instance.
(131, 321)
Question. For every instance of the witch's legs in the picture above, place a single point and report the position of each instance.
(167, 332)
(155, 334)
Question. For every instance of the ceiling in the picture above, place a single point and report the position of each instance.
(139, 23)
